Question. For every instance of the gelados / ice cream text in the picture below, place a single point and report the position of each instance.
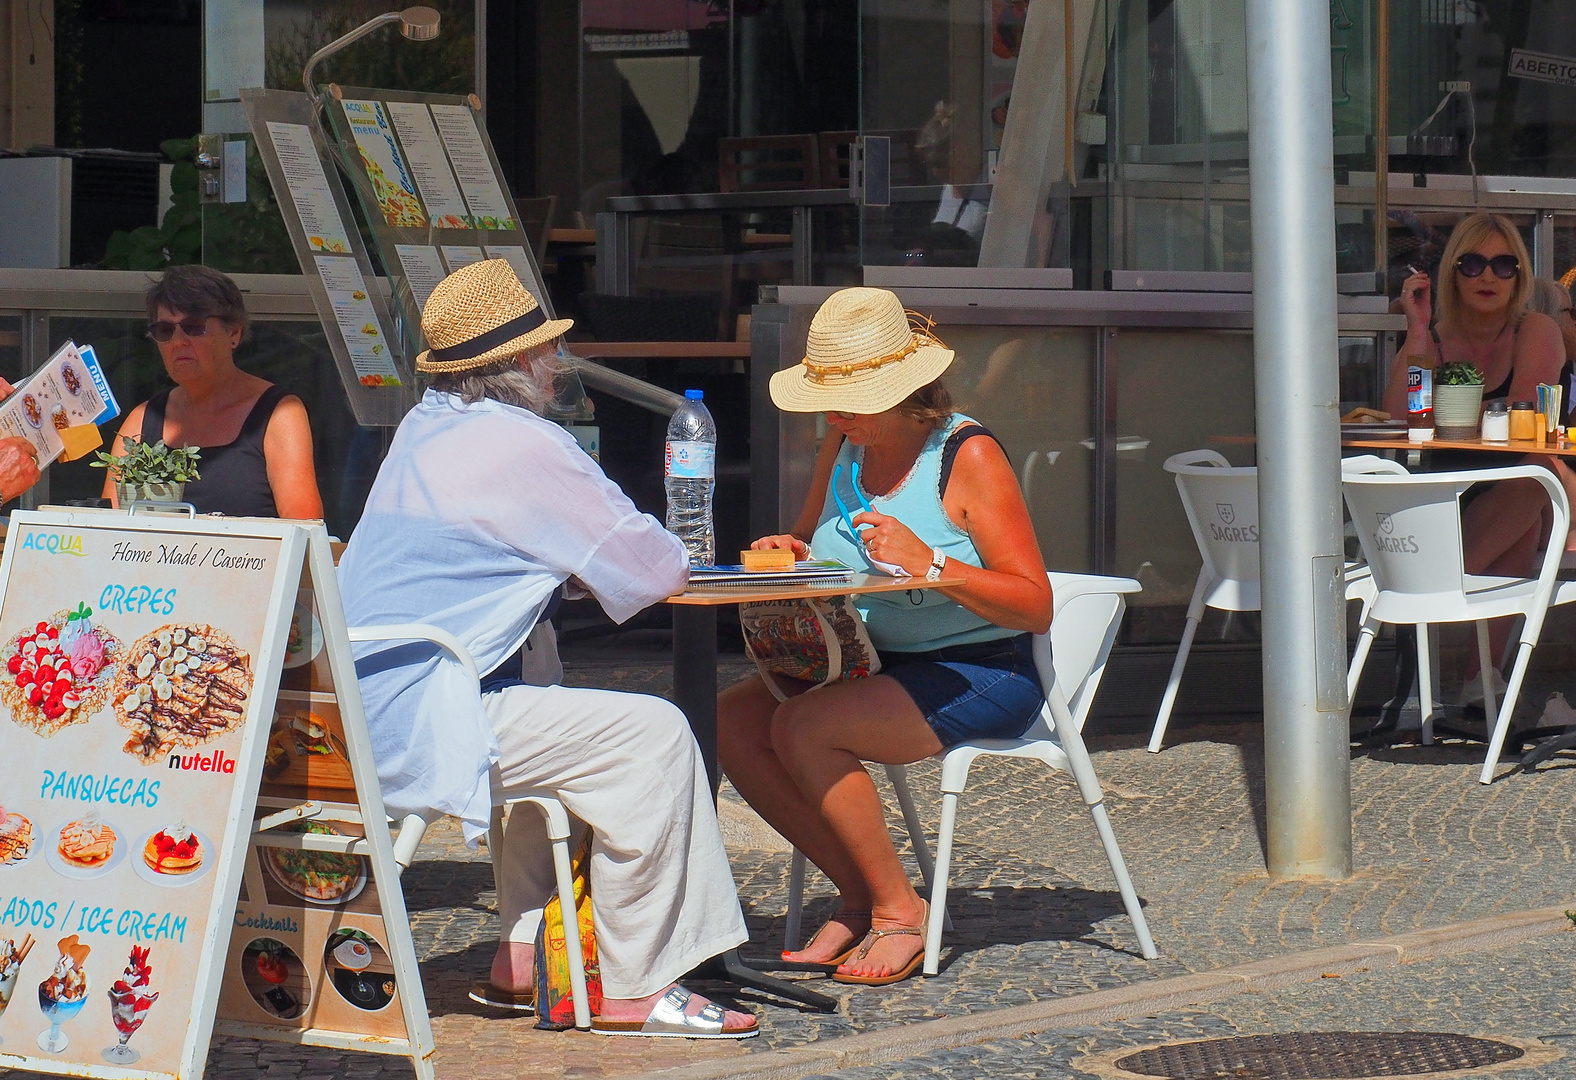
(20, 911)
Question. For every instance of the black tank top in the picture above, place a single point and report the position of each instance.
(234, 476)
(1567, 372)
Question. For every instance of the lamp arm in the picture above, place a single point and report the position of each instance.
(339, 43)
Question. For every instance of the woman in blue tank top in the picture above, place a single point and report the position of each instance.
(956, 662)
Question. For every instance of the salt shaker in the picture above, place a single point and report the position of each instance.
(1496, 422)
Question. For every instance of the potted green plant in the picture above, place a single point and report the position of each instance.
(149, 472)
(1458, 398)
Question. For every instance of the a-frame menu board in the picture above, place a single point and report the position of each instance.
(159, 862)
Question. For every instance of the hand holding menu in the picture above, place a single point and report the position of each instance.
(68, 391)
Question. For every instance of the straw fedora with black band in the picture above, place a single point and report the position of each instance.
(865, 354)
(481, 314)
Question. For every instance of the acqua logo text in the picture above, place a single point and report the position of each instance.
(54, 544)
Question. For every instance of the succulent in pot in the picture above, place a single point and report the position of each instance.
(1459, 374)
(149, 472)
(1458, 398)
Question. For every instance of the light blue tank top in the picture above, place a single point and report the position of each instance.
(921, 619)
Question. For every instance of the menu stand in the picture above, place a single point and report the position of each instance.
(202, 799)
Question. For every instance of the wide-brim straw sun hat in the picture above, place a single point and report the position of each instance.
(865, 354)
(481, 314)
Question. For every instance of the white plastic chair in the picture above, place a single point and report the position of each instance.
(1410, 529)
(558, 830)
(1222, 505)
(1071, 661)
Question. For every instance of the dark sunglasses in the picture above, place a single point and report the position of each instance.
(164, 329)
(1472, 265)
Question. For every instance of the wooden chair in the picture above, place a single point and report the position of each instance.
(768, 163)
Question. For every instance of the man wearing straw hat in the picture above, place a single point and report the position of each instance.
(480, 514)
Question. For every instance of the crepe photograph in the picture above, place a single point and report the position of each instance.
(59, 671)
(180, 686)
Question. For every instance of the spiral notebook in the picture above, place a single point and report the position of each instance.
(810, 572)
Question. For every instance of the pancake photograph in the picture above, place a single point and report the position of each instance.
(87, 843)
(16, 838)
(174, 850)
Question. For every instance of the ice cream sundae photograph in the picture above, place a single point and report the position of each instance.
(11, 957)
(62, 995)
(130, 998)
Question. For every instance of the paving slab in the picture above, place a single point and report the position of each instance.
(1038, 920)
(1518, 992)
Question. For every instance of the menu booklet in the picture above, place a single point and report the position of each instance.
(68, 391)
(804, 573)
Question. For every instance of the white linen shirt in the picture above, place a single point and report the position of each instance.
(477, 514)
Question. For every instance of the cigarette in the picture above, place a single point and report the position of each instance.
(1412, 268)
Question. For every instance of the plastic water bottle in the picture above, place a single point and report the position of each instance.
(691, 470)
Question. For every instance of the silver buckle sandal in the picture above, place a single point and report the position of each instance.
(668, 1020)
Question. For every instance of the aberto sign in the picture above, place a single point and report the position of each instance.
(1543, 67)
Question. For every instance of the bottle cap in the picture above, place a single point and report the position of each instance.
(1520, 405)
(695, 395)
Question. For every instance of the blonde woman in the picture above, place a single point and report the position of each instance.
(1485, 280)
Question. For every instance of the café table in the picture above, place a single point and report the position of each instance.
(1556, 446)
(695, 692)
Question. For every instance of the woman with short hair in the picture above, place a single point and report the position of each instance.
(255, 438)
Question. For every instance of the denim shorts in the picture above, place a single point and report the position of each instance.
(987, 690)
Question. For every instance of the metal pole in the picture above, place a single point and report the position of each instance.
(1382, 149)
(1307, 776)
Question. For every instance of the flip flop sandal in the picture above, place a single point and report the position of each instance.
(869, 943)
(485, 993)
(669, 1021)
(841, 957)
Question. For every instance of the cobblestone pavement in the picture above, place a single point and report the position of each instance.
(1523, 992)
(1037, 913)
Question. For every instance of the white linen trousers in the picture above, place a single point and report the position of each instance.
(662, 894)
